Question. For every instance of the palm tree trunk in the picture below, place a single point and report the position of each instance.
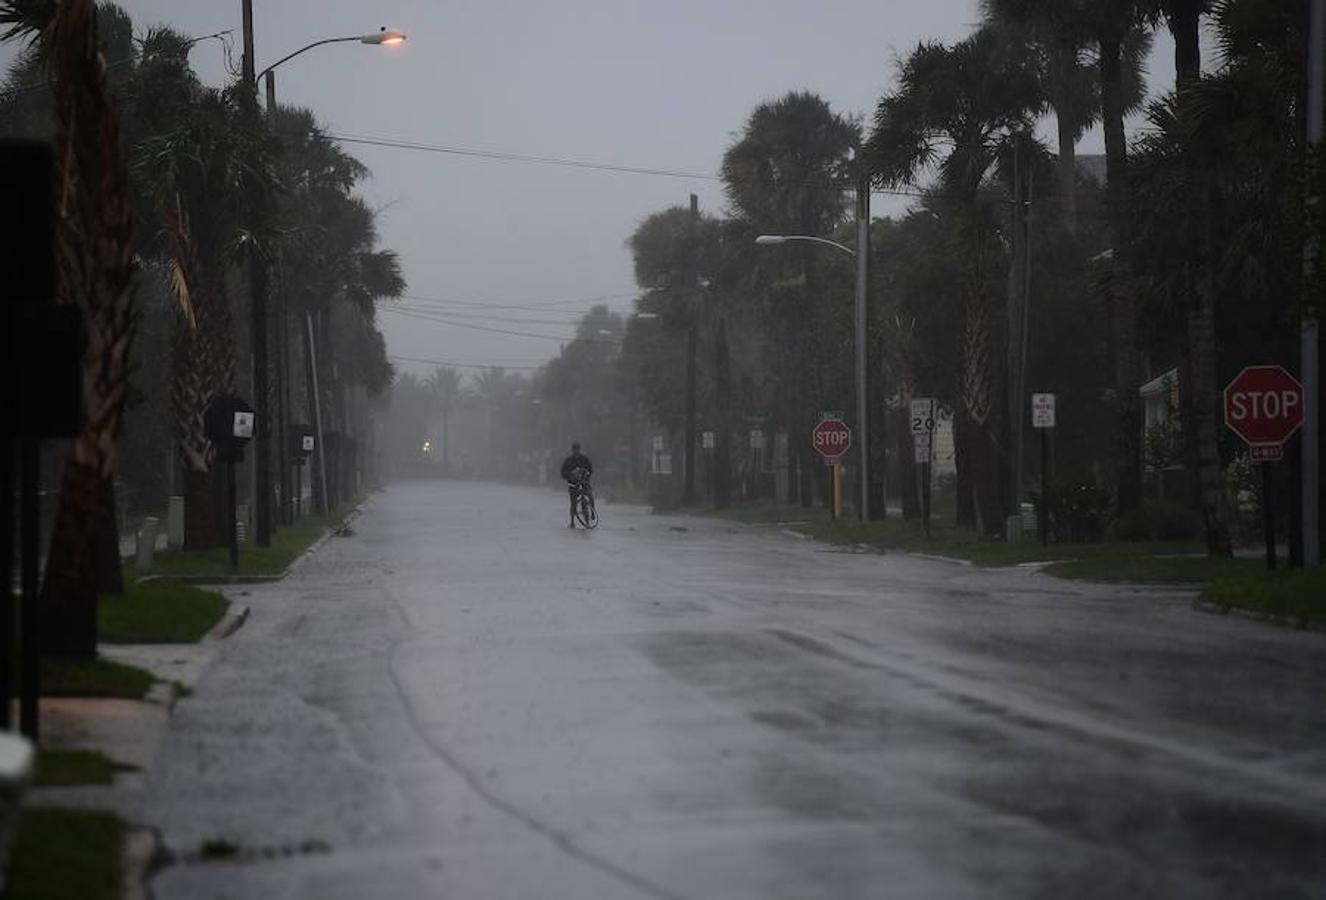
(1067, 171)
(95, 275)
(1184, 21)
(1128, 463)
(1204, 390)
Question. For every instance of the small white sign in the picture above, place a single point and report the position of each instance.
(307, 443)
(757, 439)
(658, 443)
(707, 440)
(243, 425)
(922, 445)
(923, 415)
(1042, 410)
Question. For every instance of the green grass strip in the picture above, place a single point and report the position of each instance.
(93, 678)
(66, 854)
(158, 612)
(287, 544)
(1298, 595)
(73, 768)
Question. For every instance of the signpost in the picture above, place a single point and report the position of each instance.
(302, 442)
(923, 443)
(831, 439)
(228, 424)
(1264, 406)
(707, 444)
(1043, 419)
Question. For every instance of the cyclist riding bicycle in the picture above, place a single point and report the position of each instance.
(576, 470)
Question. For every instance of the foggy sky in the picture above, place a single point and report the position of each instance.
(626, 82)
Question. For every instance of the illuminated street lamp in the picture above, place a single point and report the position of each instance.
(383, 37)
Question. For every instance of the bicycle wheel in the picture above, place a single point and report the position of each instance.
(585, 511)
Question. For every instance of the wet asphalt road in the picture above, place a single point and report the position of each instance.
(465, 699)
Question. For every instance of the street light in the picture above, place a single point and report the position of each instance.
(382, 37)
(862, 256)
(773, 240)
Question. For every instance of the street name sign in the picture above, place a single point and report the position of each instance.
(1264, 406)
(831, 438)
(1042, 410)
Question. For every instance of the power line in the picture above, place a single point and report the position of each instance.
(454, 324)
(533, 305)
(480, 317)
(567, 162)
(460, 365)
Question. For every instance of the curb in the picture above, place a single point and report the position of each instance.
(141, 857)
(1216, 609)
(232, 621)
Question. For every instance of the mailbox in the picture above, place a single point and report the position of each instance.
(228, 424)
(301, 443)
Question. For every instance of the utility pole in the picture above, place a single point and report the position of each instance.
(723, 427)
(862, 323)
(283, 454)
(692, 340)
(1309, 369)
(262, 489)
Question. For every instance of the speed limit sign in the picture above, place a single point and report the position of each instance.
(923, 415)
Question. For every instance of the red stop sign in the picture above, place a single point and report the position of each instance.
(1264, 405)
(831, 438)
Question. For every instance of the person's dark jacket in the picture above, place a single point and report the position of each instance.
(576, 461)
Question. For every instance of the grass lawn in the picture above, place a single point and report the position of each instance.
(92, 678)
(1298, 595)
(66, 854)
(1241, 582)
(160, 611)
(1125, 561)
(73, 768)
(287, 544)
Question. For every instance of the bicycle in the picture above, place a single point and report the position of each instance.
(586, 514)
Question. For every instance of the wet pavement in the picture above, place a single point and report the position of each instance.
(466, 699)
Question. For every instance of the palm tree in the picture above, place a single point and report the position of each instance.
(954, 109)
(789, 173)
(1111, 26)
(331, 264)
(1060, 50)
(95, 272)
(1216, 180)
(195, 171)
(445, 385)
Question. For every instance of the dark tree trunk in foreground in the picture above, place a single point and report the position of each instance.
(95, 253)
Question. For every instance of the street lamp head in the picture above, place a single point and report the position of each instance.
(766, 240)
(385, 37)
